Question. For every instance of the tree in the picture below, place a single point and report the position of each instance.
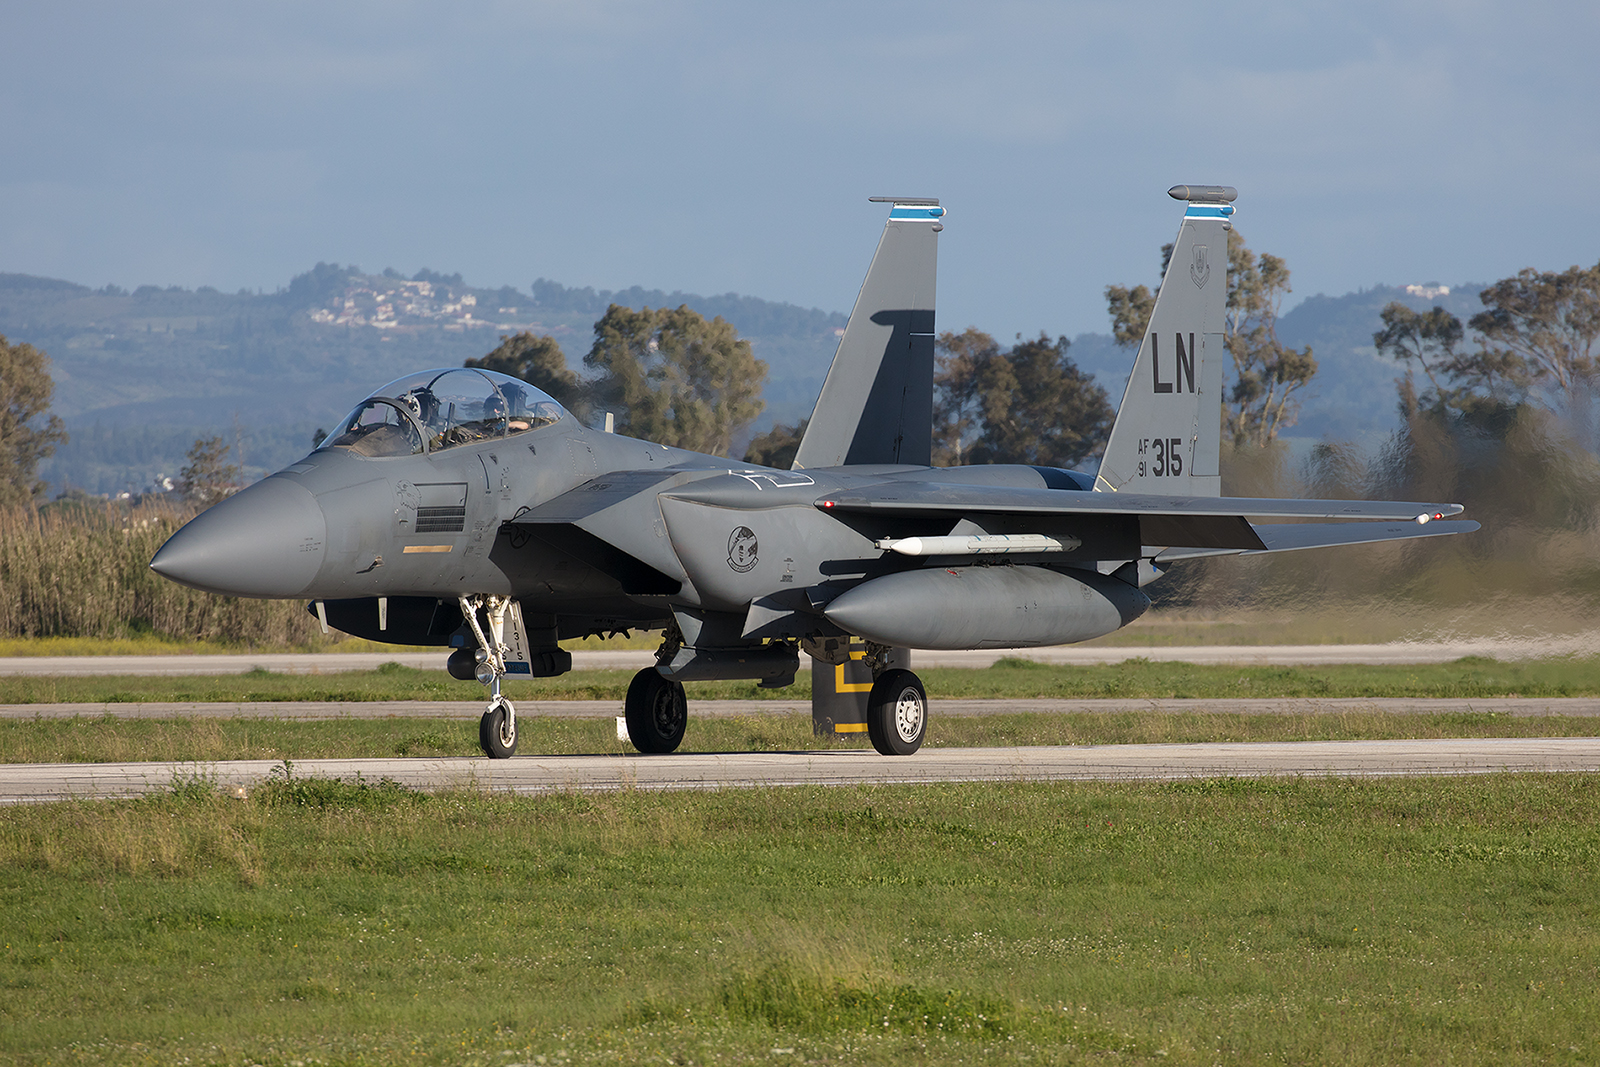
(959, 362)
(207, 479)
(1260, 398)
(1547, 322)
(25, 391)
(538, 360)
(672, 376)
(1428, 340)
(778, 446)
(1482, 386)
(1131, 308)
(1130, 312)
(1030, 404)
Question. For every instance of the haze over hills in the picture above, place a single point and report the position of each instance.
(140, 375)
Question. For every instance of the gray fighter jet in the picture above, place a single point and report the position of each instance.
(466, 509)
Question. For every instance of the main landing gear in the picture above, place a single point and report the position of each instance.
(897, 713)
(497, 730)
(657, 712)
(897, 704)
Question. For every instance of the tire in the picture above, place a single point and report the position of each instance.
(897, 713)
(497, 730)
(657, 712)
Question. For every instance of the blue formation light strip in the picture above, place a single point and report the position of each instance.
(1208, 211)
(904, 213)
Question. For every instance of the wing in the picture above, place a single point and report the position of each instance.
(1211, 525)
(1288, 537)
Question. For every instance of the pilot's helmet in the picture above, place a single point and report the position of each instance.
(422, 403)
(494, 407)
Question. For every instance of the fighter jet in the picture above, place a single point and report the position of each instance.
(465, 509)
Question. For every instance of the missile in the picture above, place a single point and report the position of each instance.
(976, 544)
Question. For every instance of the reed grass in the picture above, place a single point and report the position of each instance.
(75, 580)
(84, 572)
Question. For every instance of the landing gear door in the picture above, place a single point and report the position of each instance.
(518, 660)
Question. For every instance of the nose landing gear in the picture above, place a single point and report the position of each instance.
(497, 730)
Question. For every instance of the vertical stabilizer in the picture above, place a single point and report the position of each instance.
(1168, 434)
(876, 404)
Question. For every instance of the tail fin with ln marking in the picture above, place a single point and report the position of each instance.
(876, 404)
(1167, 438)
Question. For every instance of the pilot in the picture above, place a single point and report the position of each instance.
(542, 413)
(423, 404)
(494, 410)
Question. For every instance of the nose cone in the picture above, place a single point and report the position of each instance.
(267, 541)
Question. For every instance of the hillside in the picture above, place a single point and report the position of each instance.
(1353, 395)
(140, 375)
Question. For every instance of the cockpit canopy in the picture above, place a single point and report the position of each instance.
(437, 409)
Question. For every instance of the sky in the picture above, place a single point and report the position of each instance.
(715, 147)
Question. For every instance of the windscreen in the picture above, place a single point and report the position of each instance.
(446, 408)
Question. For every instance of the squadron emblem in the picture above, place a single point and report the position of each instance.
(742, 548)
(1200, 269)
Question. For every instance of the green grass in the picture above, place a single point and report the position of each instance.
(106, 739)
(1472, 677)
(1405, 921)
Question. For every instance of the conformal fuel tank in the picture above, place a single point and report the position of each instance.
(986, 607)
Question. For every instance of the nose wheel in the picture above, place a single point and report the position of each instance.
(497, 730)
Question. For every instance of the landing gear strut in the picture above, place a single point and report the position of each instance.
(497, 730)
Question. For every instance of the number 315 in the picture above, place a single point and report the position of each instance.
(1168, 461)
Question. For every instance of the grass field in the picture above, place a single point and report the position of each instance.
(1397, 921)
(1222, 921)
(1014, 678)
(104, 739)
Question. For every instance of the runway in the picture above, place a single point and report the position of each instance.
(1399, 652)
(533, 775)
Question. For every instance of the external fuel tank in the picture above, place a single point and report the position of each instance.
(987, 607)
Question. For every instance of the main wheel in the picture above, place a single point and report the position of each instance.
(897, 713)
(497, 730)
(657, 712)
